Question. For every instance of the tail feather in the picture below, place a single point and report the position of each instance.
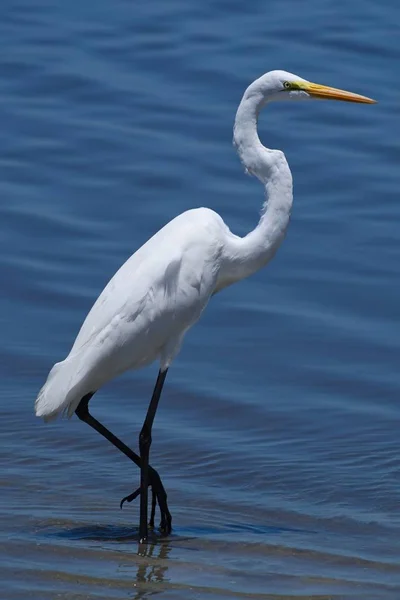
(61, 393)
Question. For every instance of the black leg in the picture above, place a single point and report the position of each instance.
(154, 479)
(153, 510)
(144, 446)
(83, 413)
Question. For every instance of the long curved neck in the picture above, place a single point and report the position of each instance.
(247, 255)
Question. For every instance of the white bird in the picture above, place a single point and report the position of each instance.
(145, 310)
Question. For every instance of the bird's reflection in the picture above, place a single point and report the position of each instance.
(151, 569)
(146, 564)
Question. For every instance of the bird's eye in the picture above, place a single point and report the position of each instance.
(286, 85)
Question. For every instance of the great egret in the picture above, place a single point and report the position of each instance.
(160, 292)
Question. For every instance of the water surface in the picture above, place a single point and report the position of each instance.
(277, 436)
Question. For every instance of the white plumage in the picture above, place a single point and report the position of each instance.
(143, 312)
(161, 291)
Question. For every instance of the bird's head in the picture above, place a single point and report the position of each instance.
(281, 85)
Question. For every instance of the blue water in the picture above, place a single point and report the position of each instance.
(277, 436)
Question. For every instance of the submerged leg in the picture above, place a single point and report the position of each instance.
(154, 480)
(144, 446)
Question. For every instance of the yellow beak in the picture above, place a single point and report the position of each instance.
(329, 93)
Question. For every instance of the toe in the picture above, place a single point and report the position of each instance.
(130, 498)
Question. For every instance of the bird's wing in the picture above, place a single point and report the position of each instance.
(161, 289)
(143, 312)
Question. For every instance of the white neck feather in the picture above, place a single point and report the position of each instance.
(246, 255)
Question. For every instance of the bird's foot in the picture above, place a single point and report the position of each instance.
(159, 496)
